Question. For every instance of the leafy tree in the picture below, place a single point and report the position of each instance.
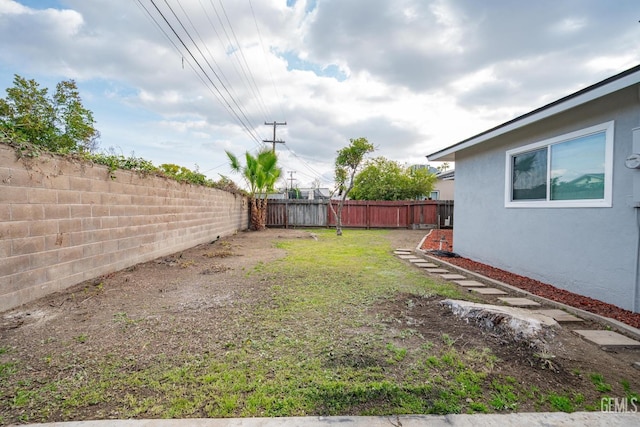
(383, 179)
(347, 164)
(59, 123)
(260, 173)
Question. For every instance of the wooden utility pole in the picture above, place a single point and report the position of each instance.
(291, 178)
(274, 141)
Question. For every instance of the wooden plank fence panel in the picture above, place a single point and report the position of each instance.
(361, 214)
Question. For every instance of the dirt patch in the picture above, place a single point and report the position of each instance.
(566, 366)
(443, 240)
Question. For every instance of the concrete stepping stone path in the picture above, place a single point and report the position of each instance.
(407, 257)
(416, 260)
(452, 276)
(470, 283)
(608, 339)
(488, 291)
(437, 270)
(520, 302)
(560, 316)
(425, 264)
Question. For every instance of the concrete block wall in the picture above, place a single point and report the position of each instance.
(64, 221)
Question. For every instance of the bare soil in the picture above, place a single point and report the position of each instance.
(186, 302)
(443, 240)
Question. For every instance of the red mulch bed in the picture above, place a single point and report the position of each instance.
(436, 237)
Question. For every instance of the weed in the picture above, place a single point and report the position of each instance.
(122, 318)
(82, 338)
(433, 361)
(560, 403)
(427, 346)
(478, 407)
(7, 369)
(448, 340)
(21, 398)
(397, 354)
(503, 396)
(598, 381)
(187, 264)
(627, 391)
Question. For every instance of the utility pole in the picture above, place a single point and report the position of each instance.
(291, 178)
(273, 141)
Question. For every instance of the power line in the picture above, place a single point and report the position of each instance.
(210, 67)
(266, 61)
(244, 59)
(218, 94)
(224, 49)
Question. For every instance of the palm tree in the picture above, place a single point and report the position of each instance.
(260, 173)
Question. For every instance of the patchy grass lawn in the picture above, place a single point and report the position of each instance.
(334, 327)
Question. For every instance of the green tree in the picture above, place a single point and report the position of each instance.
(260, 173)
(59, 123)
(383, 179)
(347, 164)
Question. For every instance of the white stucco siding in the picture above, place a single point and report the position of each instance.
(590, 251)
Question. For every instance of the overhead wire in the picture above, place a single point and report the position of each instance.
(224, 48)
(202, 74)
(245, 125)
(223, 85)
(155, 21)
(257, 92)
(266, 60)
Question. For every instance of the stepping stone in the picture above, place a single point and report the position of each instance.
(560, 315)
(404, 250)
(520, 302)
(417, 260)
(436, 270)
(425, 264)
(452, 276)
(488, 291)
(407, 257)
(608, 339)
(470, 283)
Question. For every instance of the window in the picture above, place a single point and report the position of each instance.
(572, 170)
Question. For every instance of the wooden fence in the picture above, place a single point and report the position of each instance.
(361, 214)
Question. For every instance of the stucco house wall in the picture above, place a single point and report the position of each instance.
(590, 251)
(445, 188)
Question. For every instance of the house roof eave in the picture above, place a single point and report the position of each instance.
(605, 87)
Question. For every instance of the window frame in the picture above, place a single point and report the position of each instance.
(606, 202)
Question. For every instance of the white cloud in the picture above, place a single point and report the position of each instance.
(413, 76)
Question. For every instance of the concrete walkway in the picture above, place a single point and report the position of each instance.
(604, 419)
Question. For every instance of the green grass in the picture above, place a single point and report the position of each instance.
(598, 381)
(311, 346)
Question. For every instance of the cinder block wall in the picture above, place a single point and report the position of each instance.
(63, 222)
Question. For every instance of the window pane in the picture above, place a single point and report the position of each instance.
(530, 175)
(577, 168)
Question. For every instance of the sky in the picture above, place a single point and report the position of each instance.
(184, 81)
